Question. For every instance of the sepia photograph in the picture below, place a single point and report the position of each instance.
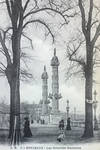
(49, 74)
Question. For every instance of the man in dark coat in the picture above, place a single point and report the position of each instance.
(27, 130)
(61, 125)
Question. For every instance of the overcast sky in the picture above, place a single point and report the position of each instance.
(73, 90)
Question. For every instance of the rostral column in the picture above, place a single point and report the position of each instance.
(55, 96)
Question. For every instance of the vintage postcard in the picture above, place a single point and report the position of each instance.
(49, 74)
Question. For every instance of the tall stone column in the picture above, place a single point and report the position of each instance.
(44, 78)
(55, 96)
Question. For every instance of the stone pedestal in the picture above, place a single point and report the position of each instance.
(55, 118)
(46, 118)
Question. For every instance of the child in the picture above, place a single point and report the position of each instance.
(61, 137)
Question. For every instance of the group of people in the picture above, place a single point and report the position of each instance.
(61, 136)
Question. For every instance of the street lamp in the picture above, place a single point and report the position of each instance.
(74, 113)
(68, 126)
(95, 108)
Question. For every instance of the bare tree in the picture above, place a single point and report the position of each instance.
(81, 52)
(22, 13)
(5, 69)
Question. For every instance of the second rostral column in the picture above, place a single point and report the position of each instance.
(55, 96)
(45, 101)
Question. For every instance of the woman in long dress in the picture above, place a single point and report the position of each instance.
(27, 130)
(68, 124)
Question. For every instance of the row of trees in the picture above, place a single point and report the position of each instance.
(21, 13)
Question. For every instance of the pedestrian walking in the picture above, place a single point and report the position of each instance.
(61, 125)
(27, 130)
(68, 124)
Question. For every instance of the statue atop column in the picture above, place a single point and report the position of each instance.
(55, 96)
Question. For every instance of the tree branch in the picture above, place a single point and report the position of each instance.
(79, 61)
(72, 52)
(75, 49)
(73, 70)
(44, 9)
(28, 39)
(97, 47)
(2, 70)
(5, 50)
(8, 8)
(25, 75)
(97, 34)
(2, 65)
(5, 32)
(26, 4)
(2, 73)
(1, 50)
(90, 16)
(94, 22)
(83, 17)
(41, 22)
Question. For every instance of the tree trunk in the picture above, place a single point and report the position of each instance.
(16, 126)
(12, 73)
(15, 139)
(14, 131)
(88, 132)
(88, 110)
